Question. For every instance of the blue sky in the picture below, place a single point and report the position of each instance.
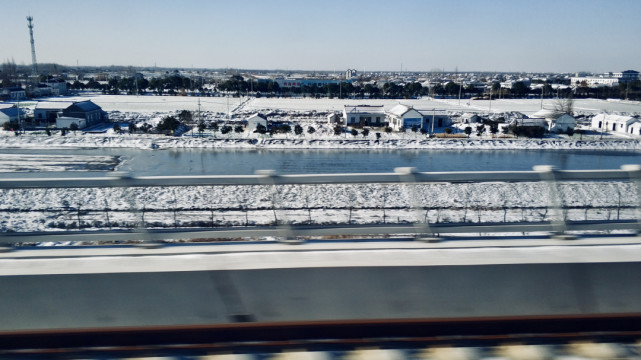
(420, 35)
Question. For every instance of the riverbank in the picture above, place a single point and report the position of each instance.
(248, 141)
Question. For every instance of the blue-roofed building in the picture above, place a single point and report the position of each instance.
(9, 114)
(87, 110)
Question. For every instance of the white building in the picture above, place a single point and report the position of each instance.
(562, 123)
(403, 116)
(65, 122)
(594, 81)
(364, 115)
(334, 118)
(556, 120)
(469, 118)
(635, 128)
(48, 110)
(15, 93)
(255, 120)
(530, 122)
(615, 123)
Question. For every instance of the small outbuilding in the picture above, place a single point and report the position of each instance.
(469, 118)
(616, 123)
(635, 128)
(66, 122)
(255, 120)
(557, 121)
(563, 123)
(334, 118)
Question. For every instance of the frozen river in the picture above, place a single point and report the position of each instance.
(225, 162)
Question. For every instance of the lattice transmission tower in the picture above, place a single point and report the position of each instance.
(33, 47)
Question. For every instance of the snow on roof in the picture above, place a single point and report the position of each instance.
(399, 110)
(431, 112)
(58, 105)
(87, 105)
(12, 111)
(257, 115)
(615, 118)
(547, 114)
(355, 109)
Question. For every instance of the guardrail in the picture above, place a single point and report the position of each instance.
(555, 223)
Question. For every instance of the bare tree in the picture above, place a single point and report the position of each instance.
(564, 105)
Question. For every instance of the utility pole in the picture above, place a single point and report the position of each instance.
(19, 119)
(626, 90)
(542, 88)
(433, 117)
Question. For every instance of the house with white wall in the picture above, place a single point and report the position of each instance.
(614, 123)
(255, 120)
(470, 118)
(635, 128)
(364, 115)
(48, 110)
(404, 116)
(65, 122)
(556, 120)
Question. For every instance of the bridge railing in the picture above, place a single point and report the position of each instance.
(555, 221)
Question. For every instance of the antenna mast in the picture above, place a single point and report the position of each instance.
(33, 48)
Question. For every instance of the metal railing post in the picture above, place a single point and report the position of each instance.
(284, 228)
(634, 172)
(148, 241)
(557, 218)
(407, 176)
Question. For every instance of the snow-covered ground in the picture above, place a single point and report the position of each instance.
(323, 138)
(151, 104)
(64, 209)
(526, 106)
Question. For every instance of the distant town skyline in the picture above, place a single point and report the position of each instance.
(375, 35)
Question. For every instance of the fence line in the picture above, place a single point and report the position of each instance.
(283, 229)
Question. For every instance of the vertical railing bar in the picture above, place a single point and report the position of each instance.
(147, 238)
(283, 226)
(407, 176)
(557, 218)
(634, 172)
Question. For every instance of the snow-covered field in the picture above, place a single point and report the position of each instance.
(65, 209)
(151, 104)
(526, 106)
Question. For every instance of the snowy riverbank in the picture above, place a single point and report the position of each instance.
(248, 141)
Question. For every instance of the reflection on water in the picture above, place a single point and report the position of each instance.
(212, 161)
